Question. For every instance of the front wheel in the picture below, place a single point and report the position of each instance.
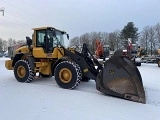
(23, 72)
(68, 74)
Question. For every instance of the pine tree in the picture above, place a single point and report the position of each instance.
(129, 31)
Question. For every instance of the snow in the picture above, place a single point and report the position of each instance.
(44, 100)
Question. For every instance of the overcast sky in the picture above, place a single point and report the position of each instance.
(75, 16)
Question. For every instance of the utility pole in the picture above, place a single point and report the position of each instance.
(2, 10)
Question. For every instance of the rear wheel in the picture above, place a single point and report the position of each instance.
(23, 72)
(159, 63)
(68, 74)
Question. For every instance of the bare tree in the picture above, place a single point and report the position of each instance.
(152, 39)
(93, 37)
(1, 44)
(4, 42)
(157, 34)
(90, 40)
(85, 38)
(104, 38)
(114, 40)
(144, 39)
(10, 42)
(21, 42)
(111, 40)
(117, 41)
(74, 42)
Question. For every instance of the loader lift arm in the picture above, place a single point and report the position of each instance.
(85, 62)
(85, 52)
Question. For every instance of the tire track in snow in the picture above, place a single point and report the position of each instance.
(84, 86)
(152, 96)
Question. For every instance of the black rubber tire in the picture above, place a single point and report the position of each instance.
(29, 75)
(45, 76)
(76, 74)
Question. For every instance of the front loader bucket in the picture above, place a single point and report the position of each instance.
(121, 78)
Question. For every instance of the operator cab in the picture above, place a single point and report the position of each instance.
(48, 38)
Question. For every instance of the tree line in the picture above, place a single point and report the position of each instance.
(148, 38)
(4, 44)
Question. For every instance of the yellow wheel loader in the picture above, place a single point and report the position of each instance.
(45, 54)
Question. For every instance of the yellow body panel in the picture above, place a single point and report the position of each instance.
(8, 64)
(41, 64)
(59, 53)
(46, 70)
(39, 52)
(44, 67)
(23, 49)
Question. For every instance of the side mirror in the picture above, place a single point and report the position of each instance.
(68, 36)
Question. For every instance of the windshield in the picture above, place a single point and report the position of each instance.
(56, 39)
(48, 39)
(48, 35)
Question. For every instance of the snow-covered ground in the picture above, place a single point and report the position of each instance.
(44, 100)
